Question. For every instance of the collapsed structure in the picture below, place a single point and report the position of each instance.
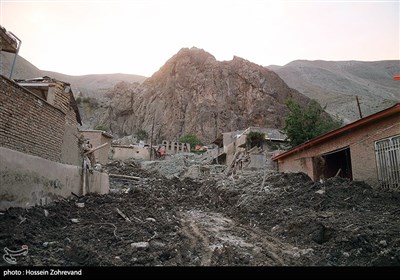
(236, 150)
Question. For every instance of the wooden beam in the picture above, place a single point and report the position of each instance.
(124, 176)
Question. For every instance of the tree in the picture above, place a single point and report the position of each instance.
(191, 139)
(141, 134)
(304, 124)
(255, 138)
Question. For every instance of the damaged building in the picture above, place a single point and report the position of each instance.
(366, 150)
(98, 138)
(235, 150)
(40, 148)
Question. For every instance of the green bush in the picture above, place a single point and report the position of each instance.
(101, 127)
(255, 138)
(141, 134)
(191, 139)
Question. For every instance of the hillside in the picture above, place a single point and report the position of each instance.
(23, 69)
(88, 87)
(336, 83)
(195, 93)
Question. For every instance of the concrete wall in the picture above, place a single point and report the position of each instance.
(28, 180)
(97, 138)
(28, 123)
(127, 152)
(257, 161)
(172, 147)
(361, 141)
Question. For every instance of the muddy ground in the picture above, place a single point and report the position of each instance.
(253, 219)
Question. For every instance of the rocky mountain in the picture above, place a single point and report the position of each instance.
(195, 93)
(336, 83)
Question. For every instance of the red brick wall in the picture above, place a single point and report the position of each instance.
(29, 124)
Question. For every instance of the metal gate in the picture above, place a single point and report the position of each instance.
(388, 162)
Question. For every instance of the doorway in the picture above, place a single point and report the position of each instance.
(334, 164)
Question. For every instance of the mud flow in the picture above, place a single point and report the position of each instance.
(252, 219)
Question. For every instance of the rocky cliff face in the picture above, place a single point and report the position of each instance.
(195, 93)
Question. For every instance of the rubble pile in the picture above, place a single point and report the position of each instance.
(255, 218)
(178, 165)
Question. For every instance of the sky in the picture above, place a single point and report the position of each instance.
(79, 37)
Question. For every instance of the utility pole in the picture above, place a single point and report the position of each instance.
(151, 140)
(359, 109)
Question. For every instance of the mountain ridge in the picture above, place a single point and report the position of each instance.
(335, 84)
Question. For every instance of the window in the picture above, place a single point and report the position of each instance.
(388, 162)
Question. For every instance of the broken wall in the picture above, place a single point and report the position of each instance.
(172, 147)
(97, 138)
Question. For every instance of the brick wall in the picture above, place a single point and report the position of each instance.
(360, 140)
(29, 124)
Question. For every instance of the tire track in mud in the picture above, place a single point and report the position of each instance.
(211, 233)
(197, 241)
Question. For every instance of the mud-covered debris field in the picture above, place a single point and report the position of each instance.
(253, 219)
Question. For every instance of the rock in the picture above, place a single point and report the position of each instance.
(308, 251)
(346, 254)
(75, 221)
(150, 219)
(193, 92)
(157, 244)
(140, 245)
(46, 244)
(80, 205)
(383, 243)
(46, 213)
(275, 228)
(320, 192)
(296, 255)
